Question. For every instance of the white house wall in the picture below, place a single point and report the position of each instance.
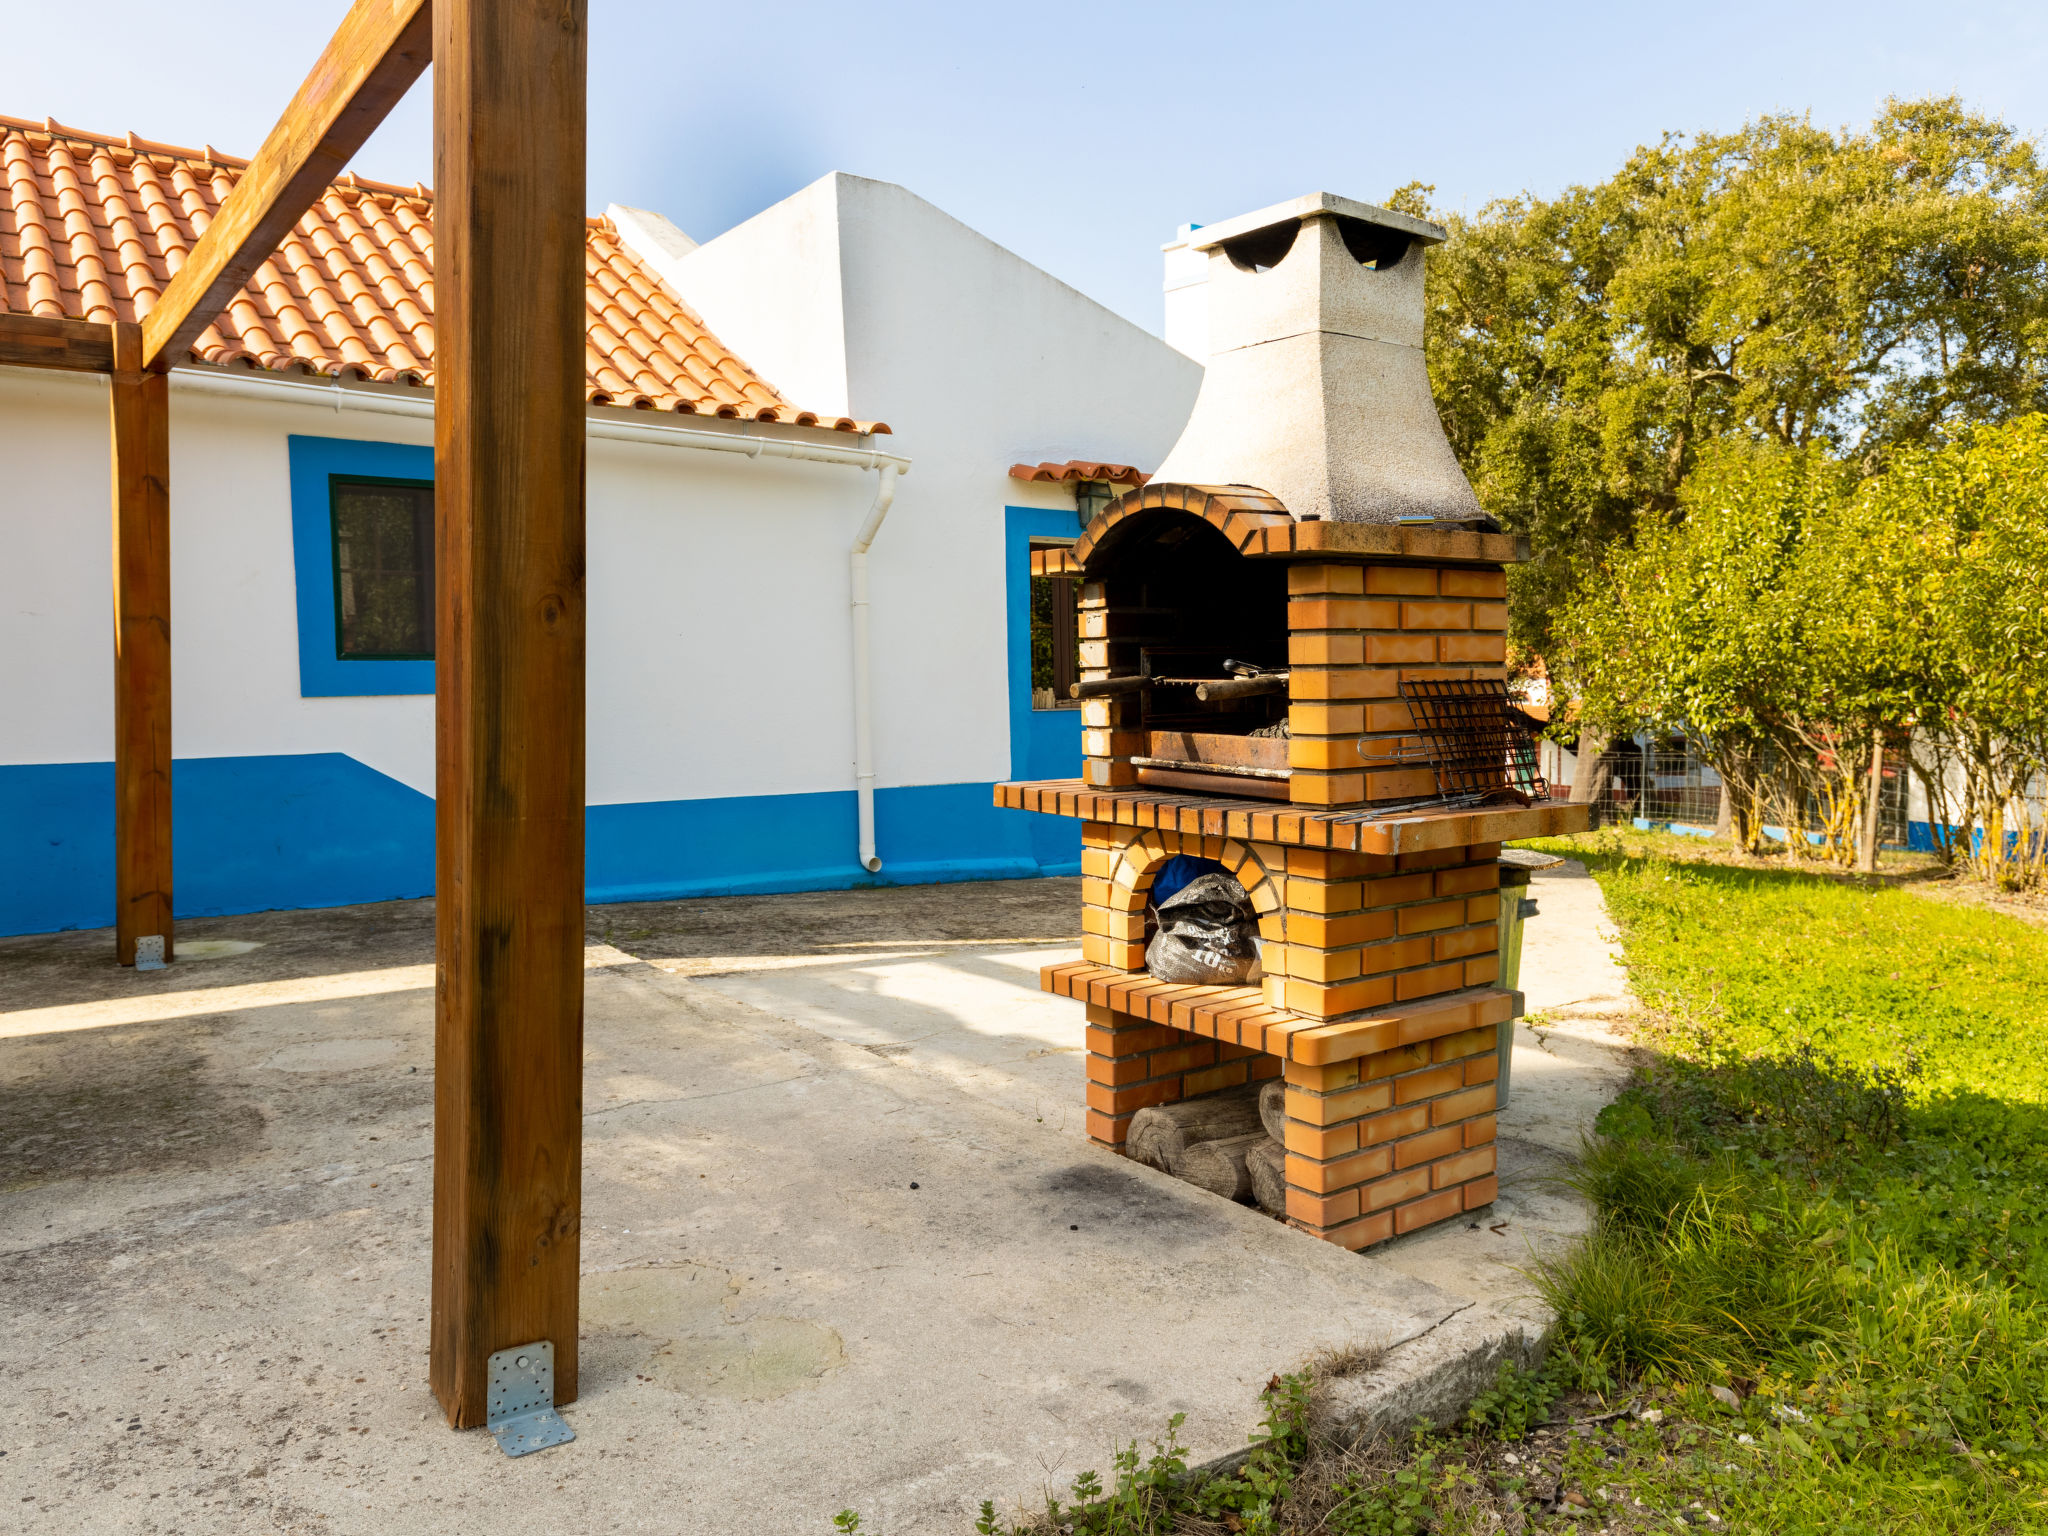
(770, 290)
(720, 732)
(56, 545)
(988, 361)
(718, 625)
(234, 616)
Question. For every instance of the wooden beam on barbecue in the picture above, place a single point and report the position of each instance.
(378, 51)
(48, 341)
(142, 645)
(509, 86)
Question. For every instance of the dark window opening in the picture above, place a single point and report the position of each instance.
(383, 568)
(1182, 603)
(1055, 641)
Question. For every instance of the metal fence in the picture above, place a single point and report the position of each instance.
(1659, 782)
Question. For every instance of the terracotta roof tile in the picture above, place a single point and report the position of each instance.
(1080, 469)
(95, 228)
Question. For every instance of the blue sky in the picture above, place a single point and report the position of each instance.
(1080, 135)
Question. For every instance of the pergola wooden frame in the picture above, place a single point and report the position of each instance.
(509, 99)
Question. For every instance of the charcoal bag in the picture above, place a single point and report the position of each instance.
(1208, 934)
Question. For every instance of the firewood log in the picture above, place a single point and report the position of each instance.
(1107, 687)
(1241, 687)
(1218, 1166)
(1266, 1163)
(1273, 1109)
(1161, 1134)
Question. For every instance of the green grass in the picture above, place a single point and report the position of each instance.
(1826, 1193)
(1830, 1190)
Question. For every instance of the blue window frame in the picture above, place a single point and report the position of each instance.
(1044, 743)
(316, 462)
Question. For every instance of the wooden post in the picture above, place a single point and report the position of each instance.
(142, 648)
(508, 455)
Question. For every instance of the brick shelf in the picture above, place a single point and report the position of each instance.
(1255, 821)
(1242, 1016)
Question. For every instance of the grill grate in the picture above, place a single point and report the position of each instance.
(1474, 744)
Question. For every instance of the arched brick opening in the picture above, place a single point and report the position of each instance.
(1238, 512)
(1142, 858)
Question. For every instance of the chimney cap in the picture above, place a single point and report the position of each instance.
(1205, 237)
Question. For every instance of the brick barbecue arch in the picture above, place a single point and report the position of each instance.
(1241, 513)
(1143, 857)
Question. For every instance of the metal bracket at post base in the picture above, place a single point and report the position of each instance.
(521, 1405)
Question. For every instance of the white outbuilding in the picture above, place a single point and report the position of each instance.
(737, 463)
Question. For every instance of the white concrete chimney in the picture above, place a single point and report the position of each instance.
(1316, 391)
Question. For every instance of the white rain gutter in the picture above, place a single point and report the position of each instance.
(338, 397)
(888, 466)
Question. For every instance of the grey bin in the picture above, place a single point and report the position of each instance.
(1516, 906)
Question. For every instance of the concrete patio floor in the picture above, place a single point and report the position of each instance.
(844, 1241)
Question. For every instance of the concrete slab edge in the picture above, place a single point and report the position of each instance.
(1436, 1374)
(1433, 1375)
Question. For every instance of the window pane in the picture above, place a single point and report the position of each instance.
(1054, 625)
(1042, 609)
(383, 569)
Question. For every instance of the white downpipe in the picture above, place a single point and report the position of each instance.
(863, 696)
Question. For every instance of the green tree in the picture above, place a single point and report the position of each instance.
(1791, 617)
(1700, 625)
(1956, 543)
(1857, 290)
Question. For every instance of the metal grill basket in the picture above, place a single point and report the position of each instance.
(1475, 746)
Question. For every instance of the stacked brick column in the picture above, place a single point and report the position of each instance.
(1354, 632)
(1390, 1141)
(1384, 1144)
(1112, 933)
(1133, 1064)
(1378, 1145)
(1111, 729)
(1369, 930)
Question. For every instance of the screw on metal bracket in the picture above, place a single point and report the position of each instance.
(521, 1410)
(149, 952)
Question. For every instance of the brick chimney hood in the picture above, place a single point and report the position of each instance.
(1316, 391)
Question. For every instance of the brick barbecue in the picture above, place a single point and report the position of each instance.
(1248, 620)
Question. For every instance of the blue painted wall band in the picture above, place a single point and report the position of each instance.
(253, 834)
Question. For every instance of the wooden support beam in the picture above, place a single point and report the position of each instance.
(41, 341)
(142, 646)
(508, 488)
(378, 51)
